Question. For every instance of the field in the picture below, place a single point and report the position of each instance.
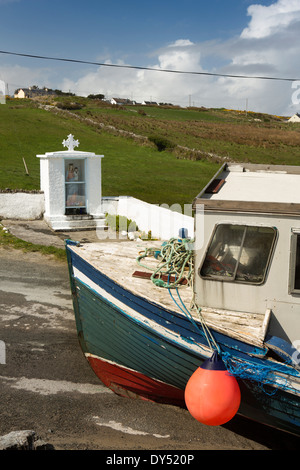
(158, 154)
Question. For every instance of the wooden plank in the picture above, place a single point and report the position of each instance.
(216, 175)
(243, 326)
(215, 186)
(265, 324)
(164, 277)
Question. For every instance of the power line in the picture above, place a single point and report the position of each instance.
(147, 68)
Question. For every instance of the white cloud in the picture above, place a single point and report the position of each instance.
(180, 55)
(148, 85)
(267, 20)
(142, 84)
(268, 47)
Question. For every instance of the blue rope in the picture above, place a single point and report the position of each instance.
(186, 312)
(260, 374)
(205, 332)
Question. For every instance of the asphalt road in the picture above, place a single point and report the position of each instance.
(47, 385)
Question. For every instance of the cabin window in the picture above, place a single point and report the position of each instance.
(295, 264)
(239, 253)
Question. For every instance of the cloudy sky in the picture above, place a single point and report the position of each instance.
(253, 38)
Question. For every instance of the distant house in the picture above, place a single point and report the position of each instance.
(122, 101)
(295, 118)
(32, 92)
(150, 103)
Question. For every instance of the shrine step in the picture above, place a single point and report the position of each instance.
(77, 222)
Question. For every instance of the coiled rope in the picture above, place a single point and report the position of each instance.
(175, 259)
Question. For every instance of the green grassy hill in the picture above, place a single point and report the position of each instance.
(196, 142)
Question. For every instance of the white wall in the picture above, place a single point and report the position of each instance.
(162, 220)
(22, 205)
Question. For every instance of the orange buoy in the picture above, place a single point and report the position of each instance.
(212, 395)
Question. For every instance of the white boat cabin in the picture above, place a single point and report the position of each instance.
(249, 262)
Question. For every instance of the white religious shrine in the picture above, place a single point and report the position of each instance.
(71, 182)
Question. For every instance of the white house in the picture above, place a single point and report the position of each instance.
(121, 101)
(32, 92)
(20, 93)
(295, 118)
(150, 103)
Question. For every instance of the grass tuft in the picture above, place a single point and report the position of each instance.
(9, 240)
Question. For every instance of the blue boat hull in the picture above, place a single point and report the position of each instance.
(139, 349)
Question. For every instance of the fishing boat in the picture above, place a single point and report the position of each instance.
(149, 314)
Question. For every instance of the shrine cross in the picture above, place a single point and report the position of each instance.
(70, 142)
